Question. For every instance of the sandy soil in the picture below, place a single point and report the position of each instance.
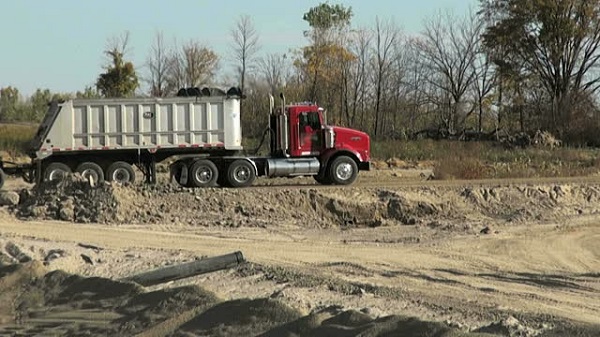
(510, 258)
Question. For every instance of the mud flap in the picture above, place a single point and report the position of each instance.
(179, 173)
(364, 166)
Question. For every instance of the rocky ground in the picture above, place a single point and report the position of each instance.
(383, 257)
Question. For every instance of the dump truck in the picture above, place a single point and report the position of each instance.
(199, 132)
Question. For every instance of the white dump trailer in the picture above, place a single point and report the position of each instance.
(141, 124)
(104, 139)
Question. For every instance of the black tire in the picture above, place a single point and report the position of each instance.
(91, 170)
(56, 171)
(322, 179)
(2, 178)
(240, 173)
(222, 180)
(343, 170)
(120, 172)
(203, 173)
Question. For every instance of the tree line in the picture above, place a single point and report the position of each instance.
(504, 67)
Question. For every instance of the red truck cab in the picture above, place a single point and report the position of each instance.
(341, 152)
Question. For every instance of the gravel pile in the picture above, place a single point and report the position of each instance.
(72, 199)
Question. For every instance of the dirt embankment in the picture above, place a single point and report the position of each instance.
(449, 208)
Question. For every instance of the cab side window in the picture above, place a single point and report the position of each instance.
(313, 120)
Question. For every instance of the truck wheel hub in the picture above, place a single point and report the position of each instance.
(241, 174)
(56, 175)
(121, 175)
(204, 174)
(344, 171)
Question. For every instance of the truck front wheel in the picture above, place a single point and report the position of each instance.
(203, 173)
(56, 171)
(343, 170)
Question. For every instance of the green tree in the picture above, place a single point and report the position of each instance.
(88, 92)
(555, 41)
(325, 17)
(10, 105)
(120, 78)
(38, 103)
(324, 64)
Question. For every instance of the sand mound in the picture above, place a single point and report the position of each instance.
(34, 302)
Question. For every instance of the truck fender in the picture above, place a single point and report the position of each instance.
(253, 165)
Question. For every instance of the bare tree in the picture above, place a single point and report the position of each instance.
(386, 36)
(118, 44)
(360, 47)
(193, 65)
(273, 70)
(449, 47)
(245, 46)
(483, 83)
(158, 67)
(416, 81)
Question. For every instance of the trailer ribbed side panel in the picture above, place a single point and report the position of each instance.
(145, 124)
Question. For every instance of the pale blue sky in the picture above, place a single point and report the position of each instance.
(58, 44)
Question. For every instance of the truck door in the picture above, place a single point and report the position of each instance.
(309, 133)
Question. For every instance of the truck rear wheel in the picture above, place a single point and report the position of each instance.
(120, 172)
(343, 170)
(240, 173)
(203, 173)
(56, 171)
(91, 171)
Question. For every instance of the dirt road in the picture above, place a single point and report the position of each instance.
(535, 271)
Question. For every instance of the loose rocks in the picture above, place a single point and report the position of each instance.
(72, 199)
(8, 198)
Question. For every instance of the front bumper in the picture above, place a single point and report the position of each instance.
(364, 166)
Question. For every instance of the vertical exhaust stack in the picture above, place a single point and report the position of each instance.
(273, 134)
(284, 128)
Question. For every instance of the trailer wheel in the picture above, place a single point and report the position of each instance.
(203, 173)
(2, 178)
(56, 171)
(240, 174)
(91, 170)
(343, 170)
(121, 172)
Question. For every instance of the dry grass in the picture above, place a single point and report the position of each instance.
(15, 138)
(480, 160)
